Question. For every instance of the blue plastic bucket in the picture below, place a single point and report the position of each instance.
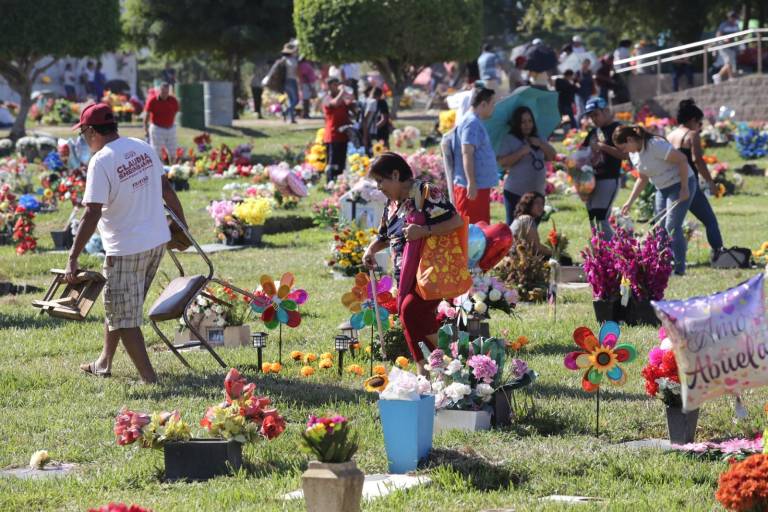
(407, 429)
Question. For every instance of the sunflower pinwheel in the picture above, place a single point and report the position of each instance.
(279, 305)
(360, 301)
(600, 358)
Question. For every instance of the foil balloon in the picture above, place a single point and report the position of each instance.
(475, 245)
(720, 341)
(498, 240)
(725, 113)
(585, 183)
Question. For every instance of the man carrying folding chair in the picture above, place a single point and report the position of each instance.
(124, 194)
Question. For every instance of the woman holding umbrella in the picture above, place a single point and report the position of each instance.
(522, 154)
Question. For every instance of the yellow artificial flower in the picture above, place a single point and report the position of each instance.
(266, 367)
(356, 369)
(379, 369)
(326, 355)
(307, 371)
(253, 211)
(275, 367)
(325, 364)
(310, 358)
(402, 362)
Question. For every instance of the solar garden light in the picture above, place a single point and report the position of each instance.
(259, 340)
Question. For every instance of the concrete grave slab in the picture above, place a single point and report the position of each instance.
(378, 485)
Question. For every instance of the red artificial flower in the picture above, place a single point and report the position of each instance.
(273, 425)
(233, 385)
(119, 507)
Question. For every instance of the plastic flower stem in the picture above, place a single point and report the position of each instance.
(597, 413)
(280, 343)
(371, 370)
(376, 313)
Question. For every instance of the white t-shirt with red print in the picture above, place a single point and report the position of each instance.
(126, 177)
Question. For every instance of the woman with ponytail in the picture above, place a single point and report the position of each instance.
(685, 138)
(667, 168)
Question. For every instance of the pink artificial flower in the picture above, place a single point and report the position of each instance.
(129, 425)
(483, 368)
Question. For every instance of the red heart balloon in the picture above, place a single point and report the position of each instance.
(498, 242)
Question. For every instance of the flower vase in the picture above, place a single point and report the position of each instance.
(640, 312)
(180, 185)
(681, 425)
(478, 327)
(470, 421)
(62, 240)
(232, 239)
(201, 459)
(252, 235)
(608, 309)
(407, 426)
(329, 486)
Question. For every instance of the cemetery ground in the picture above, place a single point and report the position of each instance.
(47, 403)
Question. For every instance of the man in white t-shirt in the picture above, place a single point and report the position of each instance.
(124, 193)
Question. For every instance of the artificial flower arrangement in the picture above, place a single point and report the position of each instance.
(179, 173)
(243, 417)
(525, 270)
(582, 174)
(316, 154)
(573, 139)
(752, 141)
(557, 243)
(326, 212)
(119, 507)
(558, 180)
(728, 450)
(359, 163)
(645, 262)
(23, 230)
(399, 384)
(743, 486)
(446, 121)
(252, 211)
(661, 374)
(725, 186)
(231, 219)
(428, 167)
(761, 254)
(408, 137)
(71, 188)
(330, 439)
(465, 374)
(8, 205)
(348, 246)
(486, 293)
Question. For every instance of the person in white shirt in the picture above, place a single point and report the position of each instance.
(657, 161)
(124, 194)
(577, 45)
(351, 74)
(70, 81)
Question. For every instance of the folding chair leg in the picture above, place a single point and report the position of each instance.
(170, 345)
(205, 344)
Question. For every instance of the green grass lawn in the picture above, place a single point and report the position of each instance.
(48, 404)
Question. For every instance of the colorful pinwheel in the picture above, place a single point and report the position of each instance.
(600, 358)
(279, 305)
(360, 301)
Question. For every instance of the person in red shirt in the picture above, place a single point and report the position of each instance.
(160, 121)
(336, 111)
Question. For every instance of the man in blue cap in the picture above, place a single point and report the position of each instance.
(606, 161)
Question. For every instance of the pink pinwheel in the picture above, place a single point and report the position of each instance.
(279, 305)
(360, 301)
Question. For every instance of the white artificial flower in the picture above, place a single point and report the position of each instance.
(218, 309)
(201, 301)
(207, 312)
(438, 386)
(484, 391)
(221, 322)
(457, 391)
(481, 307)
(479, 297)
(423, 386)
(453, 367)
(666, 344)
(495, 295)
(39, 459)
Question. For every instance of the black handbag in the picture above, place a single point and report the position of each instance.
(735, 257)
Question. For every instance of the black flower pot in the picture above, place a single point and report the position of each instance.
(5, 239)
(477, 327)
(62, 240)
(681, 425)
(607, 310)
(232, 239)
(641, 312)
(502, 413)
(180, 185)
(252, 235)
(201, 459)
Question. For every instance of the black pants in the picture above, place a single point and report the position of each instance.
(257, 91)
(336, 154)
(510, 203)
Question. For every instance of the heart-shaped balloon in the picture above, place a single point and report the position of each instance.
(498, 241)
(475, 244)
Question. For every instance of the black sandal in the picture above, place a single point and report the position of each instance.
(90, 369)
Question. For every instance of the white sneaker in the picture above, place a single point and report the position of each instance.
(716, 79)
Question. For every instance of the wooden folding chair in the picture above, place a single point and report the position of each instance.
(182, 291)
(76, 300)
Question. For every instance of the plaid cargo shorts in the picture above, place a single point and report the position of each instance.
(128, 280)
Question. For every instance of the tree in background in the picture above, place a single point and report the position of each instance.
(399, 37)
(684, 21)
(233, 30)
(32, 31)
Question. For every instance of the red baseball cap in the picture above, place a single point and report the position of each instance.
(95, 115)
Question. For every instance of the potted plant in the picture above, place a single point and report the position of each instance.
(227, 228)
(242, 418)
(662, 380)
(407, 411)
(464, 381)
(603, 277)
(333, 481)
(252, 213)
